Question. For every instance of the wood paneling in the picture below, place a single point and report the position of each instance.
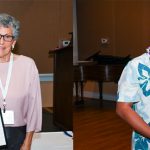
(95, 20)
(125, 23)
(128, 28)
(43, 24)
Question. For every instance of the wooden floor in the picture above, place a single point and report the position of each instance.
(99, 129)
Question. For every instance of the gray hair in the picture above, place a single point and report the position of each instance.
(9, 21)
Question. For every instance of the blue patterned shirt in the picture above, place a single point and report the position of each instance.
(134, 86)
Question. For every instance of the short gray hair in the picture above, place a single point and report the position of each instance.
(7, 21)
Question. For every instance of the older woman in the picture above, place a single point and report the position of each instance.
(20, 96)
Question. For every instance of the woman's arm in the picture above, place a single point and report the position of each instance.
(28, 141)
(125, 111)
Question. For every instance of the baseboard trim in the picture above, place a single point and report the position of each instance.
(46, 77)
(95, 95)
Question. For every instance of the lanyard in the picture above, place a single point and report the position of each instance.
(5, 89)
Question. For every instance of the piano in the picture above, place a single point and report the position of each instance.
(99, 68)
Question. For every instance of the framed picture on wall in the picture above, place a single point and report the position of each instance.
(3, 141)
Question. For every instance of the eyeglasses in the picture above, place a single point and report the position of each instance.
(7, 38)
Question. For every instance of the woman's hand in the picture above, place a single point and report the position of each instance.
(25, 147)
(28, 141)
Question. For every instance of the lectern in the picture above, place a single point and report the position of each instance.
(63, 87)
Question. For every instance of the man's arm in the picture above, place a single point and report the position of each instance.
(125, 111)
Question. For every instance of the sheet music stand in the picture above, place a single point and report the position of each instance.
(3, 140)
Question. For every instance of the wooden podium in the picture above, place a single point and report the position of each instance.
(63, 87)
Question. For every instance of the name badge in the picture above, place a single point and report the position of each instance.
(8, 117)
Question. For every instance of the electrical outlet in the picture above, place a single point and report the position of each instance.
(65, 43)
(104, 41)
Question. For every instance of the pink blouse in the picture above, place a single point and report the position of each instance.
(24, 94)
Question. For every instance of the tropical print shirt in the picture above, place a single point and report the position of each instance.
(134, 86)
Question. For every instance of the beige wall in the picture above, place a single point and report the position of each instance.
(109, 90)
(43, 24)
(47, 93)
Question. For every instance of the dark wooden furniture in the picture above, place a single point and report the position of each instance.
(105, 69)
(63, 85)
